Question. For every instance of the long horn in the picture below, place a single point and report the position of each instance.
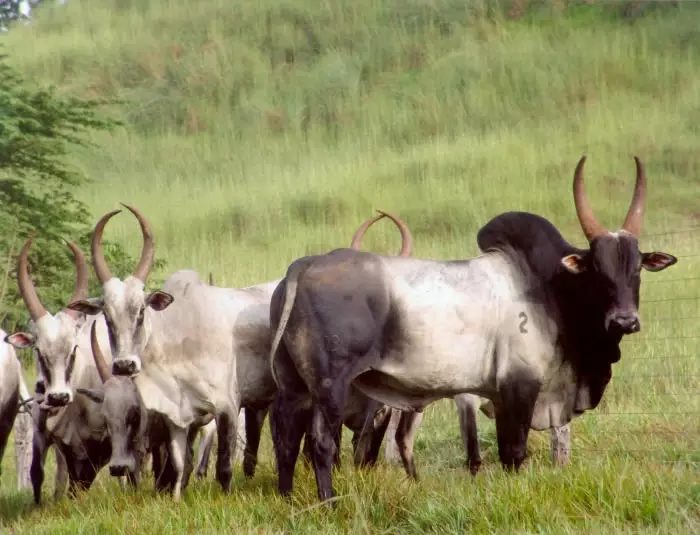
(633, 220)
(143, 268)
(406, 238)
(356, 242)
(81, 277)
(98, 258)
(589, 224)
(26, 286)
(98, 357)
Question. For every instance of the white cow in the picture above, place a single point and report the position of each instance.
(62, 350)
(10, 391)
(186, 347)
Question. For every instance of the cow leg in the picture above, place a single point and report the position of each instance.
(61, 480)
(204, 452)
(254, 419)
(40, 447)
(309, 449)
(405, 437)
(163, 469)
(189, 455)
(561, 444)
(326, 419)
(513, 416)
(226, 427)
(36, 472)
(178, 444)
(466, 407)
(84, 473)
(391, 448)
(368, 441)
(288, 422)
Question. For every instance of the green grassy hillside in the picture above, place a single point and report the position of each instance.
(258, 131)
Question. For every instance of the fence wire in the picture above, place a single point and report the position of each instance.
(651, 409)
(665, 393)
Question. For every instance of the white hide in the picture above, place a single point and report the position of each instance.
(463, 333)
(204, 351)
(10, 382)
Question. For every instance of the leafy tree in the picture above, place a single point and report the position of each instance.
(37, 190)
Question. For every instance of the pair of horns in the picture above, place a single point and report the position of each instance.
(589, 224)
(406, 238)
(28, 291)
(143, 268)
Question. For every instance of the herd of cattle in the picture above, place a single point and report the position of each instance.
(527, 332)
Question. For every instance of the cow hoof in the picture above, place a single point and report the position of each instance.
(474, 467)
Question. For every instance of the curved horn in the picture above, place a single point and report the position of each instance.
(98, 357)
(26, 286)
(81, 277)
(98, 259)
(143, 268)
(406, 238)
(589, 224)
(356, 242)
(635, 214)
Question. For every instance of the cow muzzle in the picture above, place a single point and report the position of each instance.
(625, 322)
(57, 399)
(117, 470)
(125, 367)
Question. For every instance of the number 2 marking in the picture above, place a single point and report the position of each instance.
(523, 317)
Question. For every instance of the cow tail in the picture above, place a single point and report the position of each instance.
(292, 279)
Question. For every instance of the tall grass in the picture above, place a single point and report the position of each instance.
(257, 132)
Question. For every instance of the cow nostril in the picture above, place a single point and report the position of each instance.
(117, 470)
(123, 367)
(626, 324)
(57, 399)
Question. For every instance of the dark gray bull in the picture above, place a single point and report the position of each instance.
(366, 438)
(533, 324)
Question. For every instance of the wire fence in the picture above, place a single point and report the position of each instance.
(651, 409)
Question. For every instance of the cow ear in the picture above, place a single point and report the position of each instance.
(159, 300)
(20, 340)
(95, 395)
(574, 263)
(90, 307)
(657, 261)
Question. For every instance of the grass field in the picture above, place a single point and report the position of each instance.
(258, 133)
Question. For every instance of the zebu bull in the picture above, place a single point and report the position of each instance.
(185, 347)
(533, 324)
(62, 352)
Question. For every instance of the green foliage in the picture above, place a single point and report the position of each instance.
(265, 130)
(38, 187)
